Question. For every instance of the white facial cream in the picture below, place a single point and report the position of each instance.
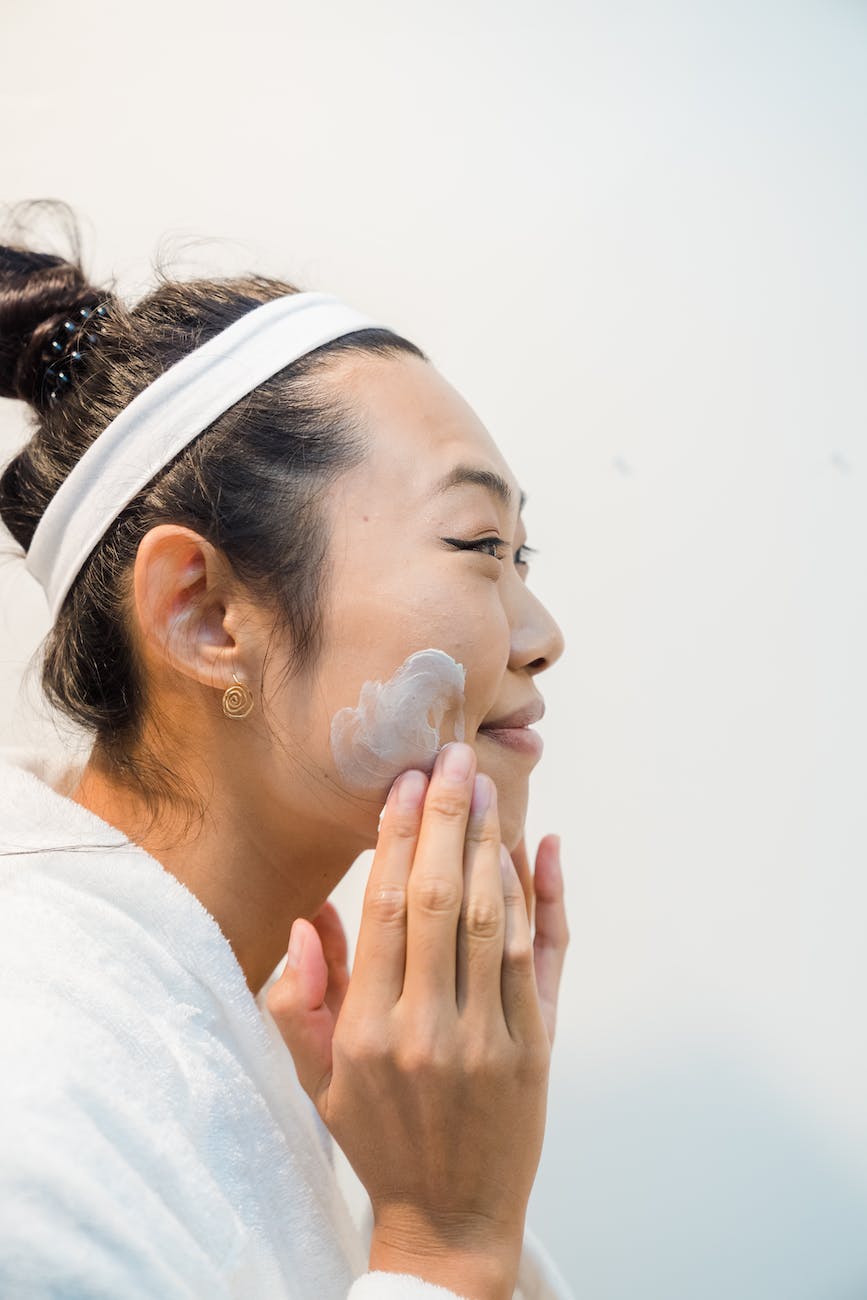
(396, 724)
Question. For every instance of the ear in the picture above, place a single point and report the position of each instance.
(187, 606)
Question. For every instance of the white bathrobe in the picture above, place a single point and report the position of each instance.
(155, 1143)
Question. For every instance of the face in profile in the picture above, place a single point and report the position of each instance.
(426, 553)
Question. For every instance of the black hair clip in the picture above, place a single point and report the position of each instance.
(60, 379)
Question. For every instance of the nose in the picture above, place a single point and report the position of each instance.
(537, 641)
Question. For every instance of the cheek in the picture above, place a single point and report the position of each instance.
(469, 621)
(484, 651)
(391, 723)
(400, 723)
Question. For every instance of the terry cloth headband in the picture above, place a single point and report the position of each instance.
(168, 414)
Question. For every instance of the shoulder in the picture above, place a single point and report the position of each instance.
(106, 1069)
(110, 969)
(34, 785)
(137, 1141)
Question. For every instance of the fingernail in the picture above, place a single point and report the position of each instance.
(297, 937)
(455, 762)
(483, 788)
(506, 864)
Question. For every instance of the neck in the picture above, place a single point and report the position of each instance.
(253, 865)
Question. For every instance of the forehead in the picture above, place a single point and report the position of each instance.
(418, 427)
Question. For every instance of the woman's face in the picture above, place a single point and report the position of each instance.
(414, 565)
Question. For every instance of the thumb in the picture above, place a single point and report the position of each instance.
(296, 1000)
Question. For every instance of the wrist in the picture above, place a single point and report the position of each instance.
(469, 1259)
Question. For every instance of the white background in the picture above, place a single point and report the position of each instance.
(633, 235)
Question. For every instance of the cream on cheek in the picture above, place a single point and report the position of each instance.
(396, 724)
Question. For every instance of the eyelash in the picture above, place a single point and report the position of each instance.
(496, 542)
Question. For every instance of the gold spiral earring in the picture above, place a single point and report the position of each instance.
(237, 700)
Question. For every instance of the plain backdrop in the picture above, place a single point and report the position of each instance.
(633, 236)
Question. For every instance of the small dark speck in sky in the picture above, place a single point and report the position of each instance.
(623, 465)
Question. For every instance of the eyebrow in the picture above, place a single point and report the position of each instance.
(485, 478)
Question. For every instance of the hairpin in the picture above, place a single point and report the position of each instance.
(58, 354)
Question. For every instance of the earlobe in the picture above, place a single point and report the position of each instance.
(179, 596)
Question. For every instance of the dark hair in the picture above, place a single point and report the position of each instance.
(250, 483)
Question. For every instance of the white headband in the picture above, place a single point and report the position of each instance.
(167, 415)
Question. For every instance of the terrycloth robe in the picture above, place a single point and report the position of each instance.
(155, 1143)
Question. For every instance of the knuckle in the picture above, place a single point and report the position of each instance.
(402, 826)
(361, 1046)
(422, 1056)
(278, 1002)
(411, 1063)
(536, 1061)
(486, 1060)
(481, 918)
(513, 894)
(485, 833)
(436, 895)
(518, 956)
(449, 804)
(556, 939)
(386, 905)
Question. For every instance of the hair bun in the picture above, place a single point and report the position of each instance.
(38, 293)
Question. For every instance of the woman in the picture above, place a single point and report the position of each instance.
(286, 569)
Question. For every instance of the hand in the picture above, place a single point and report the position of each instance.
(433, 1075)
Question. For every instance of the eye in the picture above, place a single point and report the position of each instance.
(491, 546)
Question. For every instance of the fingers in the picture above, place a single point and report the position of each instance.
(552, 931)
(518, 978)
(525, 875)
(435, 885)
(296, 1000)
(482, 917)
(332, 936)
(380, 952)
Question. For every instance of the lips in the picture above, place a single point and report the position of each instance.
(524, 717)
(513, 729)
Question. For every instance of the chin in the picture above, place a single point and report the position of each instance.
(510, 770)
